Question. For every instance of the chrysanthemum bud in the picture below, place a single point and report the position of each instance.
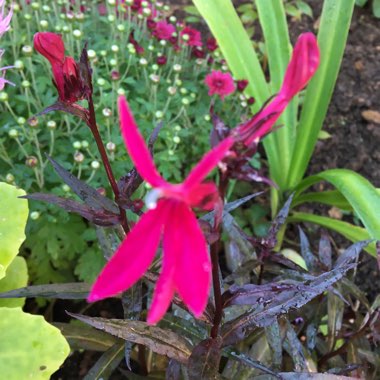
(44, 24)
(115, 75)
(154, 78)
(121, 91)
(13, 133)
(34, 215)
(107, 112)
(27, 17)
(51, 124)
(25, 83)
(77, 34)
(101, 82)
(115, 48)
(77, 145)
(66, 188)
(143, 62)
(95, 165)
(177, 68)
(113, 62)
(10, 178)
(111, 18)
(85, 144)
(33, 122)
(31, 162)
(19, 65)
(27, 50)
(176, 140)
(177, 128)
(35, 6)
(172, 90)
(78, 157)
(3, 96)
(159, 114)
(91, 54)
(111, 147)
(21, 120)
(185, 101)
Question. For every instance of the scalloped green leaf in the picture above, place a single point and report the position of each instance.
(13, 217)
(30, 347)
(16, 277)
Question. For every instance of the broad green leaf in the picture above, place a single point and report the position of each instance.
(359, 192)
(330, 198)
(16, 277)
(13, 217)
(334, 27)
(30, 347)
(351, 232)
(275, 28)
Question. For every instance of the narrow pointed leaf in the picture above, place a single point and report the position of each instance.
(107, 363)
(204, 360)
(351, 232)
(98, 217)
(86, 338)
(68, 291)
(72, 109)
(163, 342)
(89, 195)
(333, 31)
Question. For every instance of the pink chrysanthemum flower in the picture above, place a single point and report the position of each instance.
(193, 36)
(186, 266)
(163, 30)
(220, 84)
(301, 68)
(4, 20)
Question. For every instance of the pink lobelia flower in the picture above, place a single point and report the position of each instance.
(65, 69)
(4, 20)
(220, 83)
(163, 30)
(186, 264)
(193, 38)
(302, 66)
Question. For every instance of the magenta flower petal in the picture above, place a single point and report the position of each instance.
(136, 146)
(133, 256)
(207, 163)
(302, 66)
(193, 267)
(165, 288)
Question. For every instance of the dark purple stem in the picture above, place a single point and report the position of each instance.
(106, 163)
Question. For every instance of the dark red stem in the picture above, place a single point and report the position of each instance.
(103, 154)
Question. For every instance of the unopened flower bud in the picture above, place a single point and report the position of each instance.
(77, 34)
(103, 53)
(161, 60)
(207, 117)
(13, 133)
(31, 162)
(163, 43)
(113, 62)
(176, 140)
(159, 114)
(138, 204)
(155, 67)
(143, 62)
(95, 165)
(51, 124)
(10, 178)
(172, 19)
(27, 50)
(177, 128)
(111, 2)
(21, 120)
(243, 104)
(19, 65)
(33, 122)
(107, 112)
(85, 144)
(147, 12)
(172, 90)
(120, 27)
(78, 157)
(115, 75)
(70, 16)
(129, 2)
(111, 147)
(178, 82)
(115, 48)
(101, 191)
(101, 82)
(185, 37)
(65, 29)
(77, 145)
(171, 152)
(154, 78)
(177, 67)
(27, 17)
(25, 83)
(121, 91)
(34, 215)
(185, 101)
(35, 6)
(91, 54)
(46, 8)
(3, 96)
(140, 16)
(58, 28)
(66, 188)
(183, 91)
(111, 18)
(44, 24)
(79, 16)
(251, 100)
(151, 48)
(16, 8)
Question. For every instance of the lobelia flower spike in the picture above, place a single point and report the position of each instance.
(65, 69)
(186, 267)
(301, 68)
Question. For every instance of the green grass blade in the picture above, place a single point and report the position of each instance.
(335, 23)
(359, 192)
(242, 59)
(349, 231)
(273, 22)
(330, 198)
